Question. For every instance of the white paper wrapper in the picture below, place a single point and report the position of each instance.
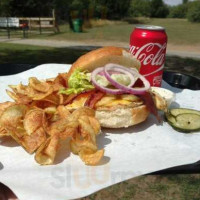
(130, 152)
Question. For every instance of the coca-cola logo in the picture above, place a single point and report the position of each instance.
(150, 53)
(157, 80)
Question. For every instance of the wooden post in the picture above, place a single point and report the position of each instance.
(55, 24)
(8, 28)
(54, 18)
(40, 28)
(24, 33)
(69, 16)
(29, 23)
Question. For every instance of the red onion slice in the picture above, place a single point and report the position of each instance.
(126, 89)
(111, 72)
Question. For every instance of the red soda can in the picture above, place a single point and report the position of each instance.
(148, 43)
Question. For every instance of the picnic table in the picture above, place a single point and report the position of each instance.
(174, 79)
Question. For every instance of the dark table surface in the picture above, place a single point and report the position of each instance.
(174, 79)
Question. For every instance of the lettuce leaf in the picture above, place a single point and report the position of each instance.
(78, 82)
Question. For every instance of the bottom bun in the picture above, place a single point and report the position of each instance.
(122, 117)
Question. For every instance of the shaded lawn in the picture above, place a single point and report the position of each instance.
(179, 31)
(26, 54)
(165, 187)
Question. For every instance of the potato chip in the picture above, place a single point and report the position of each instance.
(77, 145)
(74, 148)
(40, 86)
(54, 118)
(19, 98)
(60, 82)
(17, 134)
(63, 78)
(90, 158)
(50, 110)
(37, 95)
(32, 142)
(33, 120)
(41, 104)
(58, 122)
(62, 127)
(61, 99)
(50, 80)
(5, 105)
(46, 153)
(12, 116)
(70, 130)
(69, 98)
(56, 127)
(12, 95)
(63, 112)
(52, 98)
(19, 131)
(82, 111)
(86, 129)
(95, 125)
(3, 132)
(21, 89)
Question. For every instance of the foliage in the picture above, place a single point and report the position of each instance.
(139, 8)
(158, 9)
(193, 14)
(148, 8)
(111, 8)
(5, 10)
(184, 1)
(179, 11)
(115, 9)
(29, 8)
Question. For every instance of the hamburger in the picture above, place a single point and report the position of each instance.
(107, 80)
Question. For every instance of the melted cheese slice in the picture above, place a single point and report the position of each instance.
(114, 100)
(106, 101)
(117, 102)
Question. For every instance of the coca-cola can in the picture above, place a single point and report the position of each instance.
(148, 43)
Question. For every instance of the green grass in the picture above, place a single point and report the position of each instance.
(179, 31)
(27, 54)
(162, 187)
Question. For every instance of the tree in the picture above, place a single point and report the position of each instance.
(158, 9)
(26, 8)
(116, 9)
(193, 14)
(179, 11)
(5, 9)
(184, 1)
(139, 8)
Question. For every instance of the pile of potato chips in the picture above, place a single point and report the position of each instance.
(39, 121)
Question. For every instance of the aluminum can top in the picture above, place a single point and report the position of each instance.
(150, 27)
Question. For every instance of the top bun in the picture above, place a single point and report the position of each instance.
(102, 56)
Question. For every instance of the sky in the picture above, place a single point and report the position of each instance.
(173, 2)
